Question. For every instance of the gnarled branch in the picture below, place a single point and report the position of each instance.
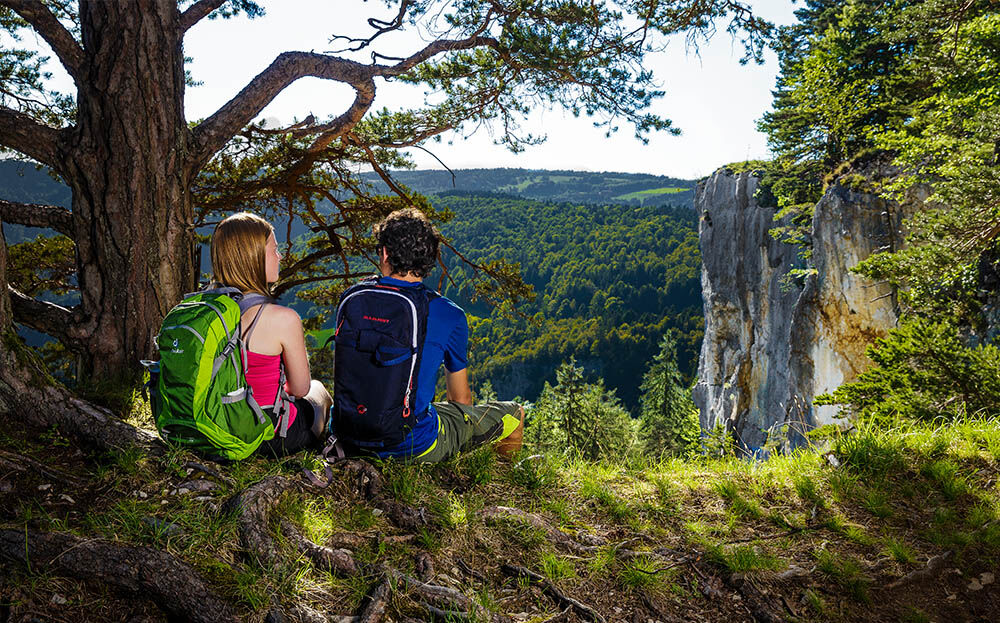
(46, 24)
(212, 133)
(197, 12)
(37, 215)
(22, 133)
(49, 318)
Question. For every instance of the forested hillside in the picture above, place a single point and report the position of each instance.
(609, 280)
(570, 186)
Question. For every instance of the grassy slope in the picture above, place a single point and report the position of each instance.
(673, 540)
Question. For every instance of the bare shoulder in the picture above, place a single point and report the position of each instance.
(282, 317)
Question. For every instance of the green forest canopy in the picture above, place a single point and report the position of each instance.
(609, 281)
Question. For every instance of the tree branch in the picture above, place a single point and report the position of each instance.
(285, 286)
(49, 318)
(55, 34)
(213, 133)
(345, 122)
(22, 133)
(197, 12)
(37, 215)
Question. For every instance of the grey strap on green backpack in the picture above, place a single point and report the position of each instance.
(282, 401)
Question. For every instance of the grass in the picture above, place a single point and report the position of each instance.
(904, 495)
(644, 574)
(899, 551)
(616, 507)
(846, 572)
(556, 567)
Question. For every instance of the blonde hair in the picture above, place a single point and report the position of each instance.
(238, 246)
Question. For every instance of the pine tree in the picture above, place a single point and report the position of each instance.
(571, 389)
(669, 422)
(581, 418)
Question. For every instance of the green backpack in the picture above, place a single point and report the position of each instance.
(199, 393)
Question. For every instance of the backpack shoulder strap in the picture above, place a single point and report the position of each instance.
(246, 301)
(234, 293)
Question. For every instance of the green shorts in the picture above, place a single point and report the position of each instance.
(462, 427)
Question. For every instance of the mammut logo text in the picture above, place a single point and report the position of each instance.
(373, 319)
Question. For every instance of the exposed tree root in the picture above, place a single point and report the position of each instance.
(377, 603)
(253, 505)
(425, 567)
(297, 613)
(550, 589)
(349, 540)
(440, 596)
(22, 464)
(555, 535)
(446, 615)
(562, 616)
(933, 569)
(24, 385)
(337, 561)
(172, 585)
(371, 487)
(763, 608)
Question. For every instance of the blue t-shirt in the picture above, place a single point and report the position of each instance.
(447, 341)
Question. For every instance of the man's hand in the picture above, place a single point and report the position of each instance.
(458, 389)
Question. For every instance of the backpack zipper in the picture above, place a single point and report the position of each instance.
(181, 326)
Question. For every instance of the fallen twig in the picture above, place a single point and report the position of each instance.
(767, 537)
(27, 464)
(550, 589)
(208, 471)
(469, 571)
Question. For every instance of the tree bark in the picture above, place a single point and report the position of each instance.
(28, 394)
(125, 165)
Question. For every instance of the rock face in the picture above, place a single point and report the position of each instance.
(774, 341)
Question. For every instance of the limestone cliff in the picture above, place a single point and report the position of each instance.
(774, 341)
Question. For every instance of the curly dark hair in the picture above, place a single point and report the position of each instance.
(410, 240)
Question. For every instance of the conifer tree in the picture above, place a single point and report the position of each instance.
(580, 418)
(570, 389)
(669, 424)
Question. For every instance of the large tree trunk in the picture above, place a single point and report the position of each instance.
(131, 206)
(28, 394)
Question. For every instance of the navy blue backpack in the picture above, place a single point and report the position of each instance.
(379, 339)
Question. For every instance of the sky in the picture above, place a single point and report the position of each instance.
(713, 99)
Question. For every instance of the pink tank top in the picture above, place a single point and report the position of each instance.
(263, 373)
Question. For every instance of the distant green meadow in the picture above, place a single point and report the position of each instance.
(320, 336)
(668, 190)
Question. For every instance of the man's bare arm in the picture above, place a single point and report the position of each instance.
(458, 389)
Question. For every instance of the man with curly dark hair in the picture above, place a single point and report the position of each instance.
(407, 245)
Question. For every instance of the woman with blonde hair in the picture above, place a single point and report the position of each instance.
(245, 256)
